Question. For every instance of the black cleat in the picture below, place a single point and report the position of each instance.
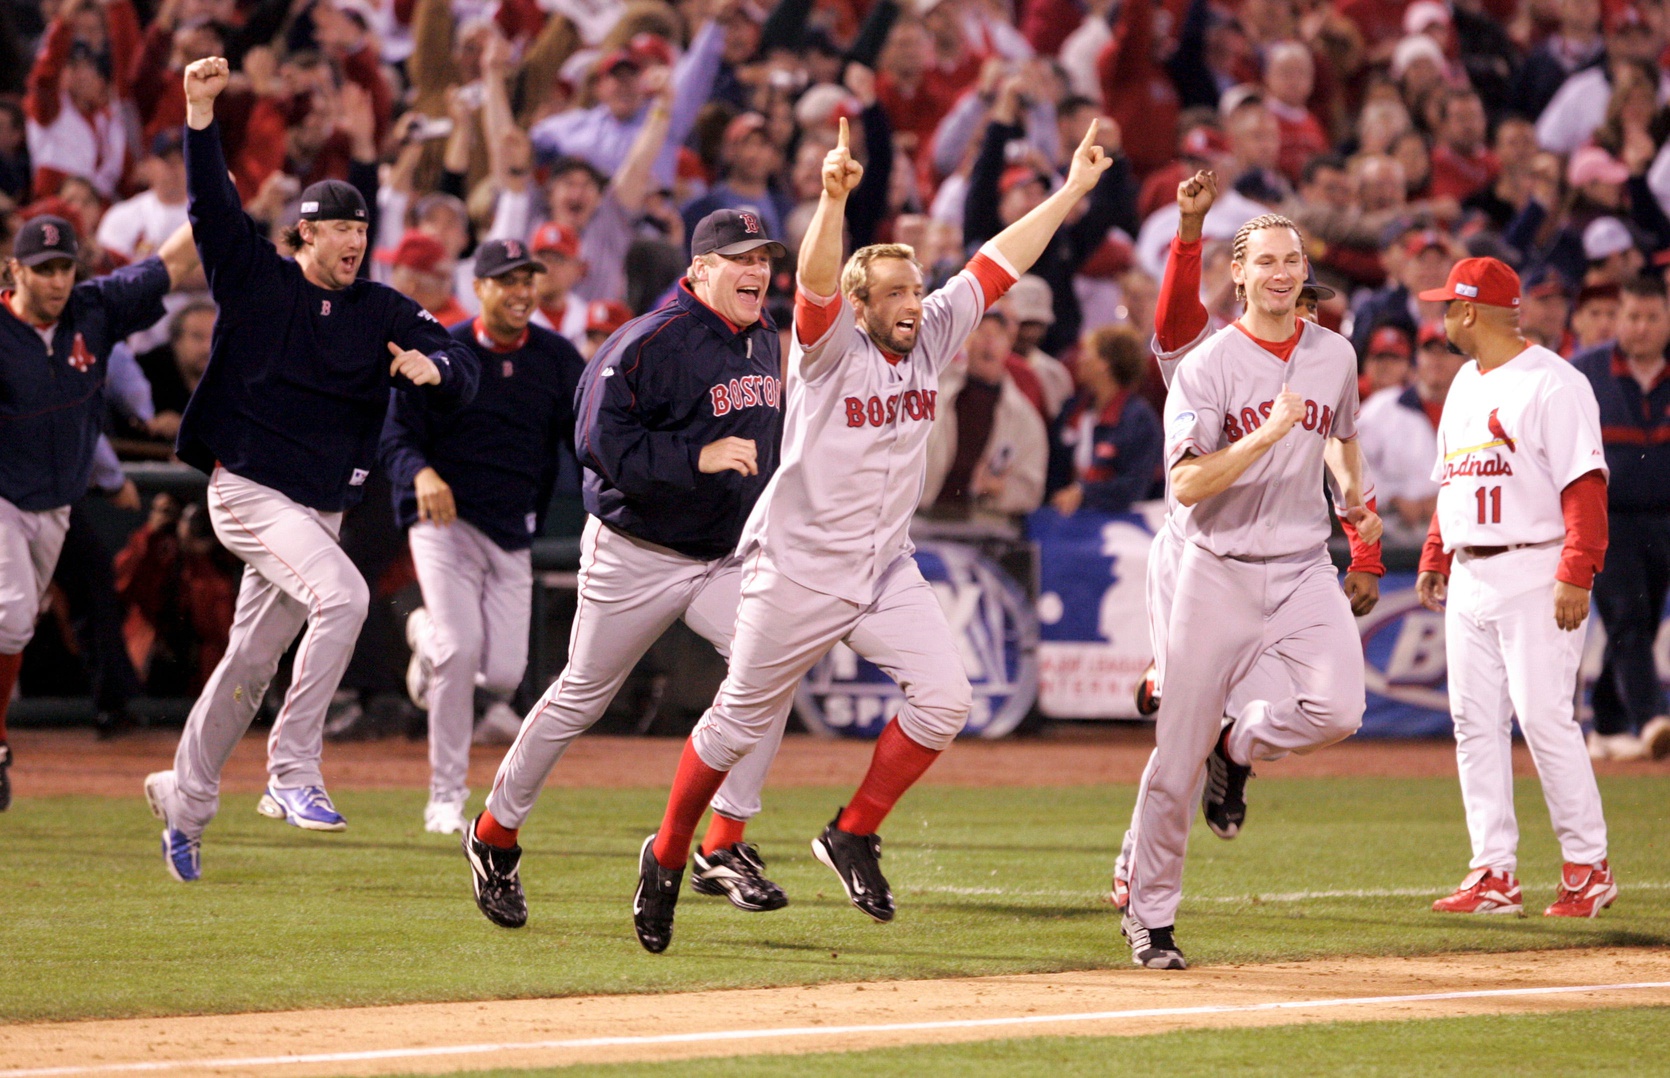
(1147, 700)
(857, 860)
(738, 874)
(1224, 801)
(1151, 948)
(655, 900)
(494, 873)
(5, 776)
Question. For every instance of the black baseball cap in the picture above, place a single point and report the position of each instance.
(733, 232)
(43, 238)
(333, 200)
(496, 258)
(1316, 288)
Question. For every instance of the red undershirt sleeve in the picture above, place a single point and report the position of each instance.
(1365, 557)
(813, 315)
(993, 271)
(1583, 504)
(1433, 557)
(1179, 316)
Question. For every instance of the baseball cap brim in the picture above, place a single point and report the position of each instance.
(742, 247)
(529, 262)
(1441, 295)
(1320, 291)
(44, 256)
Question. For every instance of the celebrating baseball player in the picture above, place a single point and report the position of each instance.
(1248, 419)
(677, 427)
(1181, 325)
(469, 488)
(286, 422)
(828, 550)
(55, 341)
(1515, 543)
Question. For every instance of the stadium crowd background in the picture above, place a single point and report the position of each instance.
(1400, 136)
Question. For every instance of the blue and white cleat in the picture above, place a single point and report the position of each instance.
(307, 807)
(180, 854)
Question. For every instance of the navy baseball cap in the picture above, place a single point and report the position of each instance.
(733, 232)
(44, 238)
(333, 200)
(498, 257)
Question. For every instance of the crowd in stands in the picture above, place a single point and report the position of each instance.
(1400, 135)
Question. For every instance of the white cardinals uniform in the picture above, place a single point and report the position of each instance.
(827, 550)
(1254, 576)
(1509, 442)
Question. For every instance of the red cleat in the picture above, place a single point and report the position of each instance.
(1148, 701)
(1484, 891)
(1585, 890)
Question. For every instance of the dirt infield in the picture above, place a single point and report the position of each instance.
(436, 1038)
(54, 762)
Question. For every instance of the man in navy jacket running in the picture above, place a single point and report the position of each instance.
(286, 422)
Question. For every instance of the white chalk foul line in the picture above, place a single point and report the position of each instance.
(820, 1031)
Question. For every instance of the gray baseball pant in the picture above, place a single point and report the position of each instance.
(1225, 614)
(30, 543)
(631, 591)
(479, 596)
(295, 574)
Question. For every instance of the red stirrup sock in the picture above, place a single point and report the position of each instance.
(896, 765)
(9, 666)
(722, 831)
(693, 787)
(492, 833)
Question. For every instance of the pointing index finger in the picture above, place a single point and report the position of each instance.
(1090, 135)
(842, 141)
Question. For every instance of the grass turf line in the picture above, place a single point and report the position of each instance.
(382, 914)
(1623, 1042)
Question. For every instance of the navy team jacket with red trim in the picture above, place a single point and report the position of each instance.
(298, 379)
(52, 405)
(1634, 429)
(663, 386)
(499, 453)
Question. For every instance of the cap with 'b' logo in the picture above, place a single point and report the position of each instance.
(42, 239)
(732, 232)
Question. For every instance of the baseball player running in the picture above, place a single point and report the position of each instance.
(1180, 326)
(285, 422)
(827, 549)
(469, 487)
(55, 341)
(1247, 422)
(677, 427)
(1515, 543)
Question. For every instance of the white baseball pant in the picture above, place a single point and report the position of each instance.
(783, 628)
(29, 546)
(1506, 656)
(295, 574)
(1225, 614)
(1268, 679)
(479, 597)
(631, 591)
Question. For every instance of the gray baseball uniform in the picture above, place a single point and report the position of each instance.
(1254, 576)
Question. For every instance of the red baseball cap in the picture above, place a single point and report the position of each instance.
(1389, 340)
(1432, 332)
(416, 250)
(556, 238)
(606, 316)
(1487, 281)
(1424, 240)
(1015, 175)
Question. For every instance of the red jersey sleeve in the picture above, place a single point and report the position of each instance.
(1583, 504)
(1433, 558)
(1179, 316)
(1365, 557)
(813, 315)
(994, 273)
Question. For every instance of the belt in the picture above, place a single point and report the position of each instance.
(1492, 551)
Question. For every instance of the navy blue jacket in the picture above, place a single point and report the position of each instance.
(498, 453)
(663, 386)
(52, 406)
(297, 384)
(1126, 451)
(1634, 428)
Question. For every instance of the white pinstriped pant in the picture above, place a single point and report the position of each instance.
(295, 574)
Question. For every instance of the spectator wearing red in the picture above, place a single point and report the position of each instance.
(1462, 165)
(73, 127)
(421, 269)
(912, 92)
(557, 246)
(1289, 76)
(1137, 90)
(603, 317)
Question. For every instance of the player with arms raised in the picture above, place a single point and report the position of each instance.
(1248, 421)
(827, 551)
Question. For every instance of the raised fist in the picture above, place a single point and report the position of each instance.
(205, 79)
(1196, 194)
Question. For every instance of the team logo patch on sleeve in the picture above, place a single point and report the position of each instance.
(359, 477)
(1181, 420)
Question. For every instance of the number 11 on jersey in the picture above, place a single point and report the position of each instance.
(1494, 498)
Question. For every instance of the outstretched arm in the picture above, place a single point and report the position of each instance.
(1022, 242)
(819, 264)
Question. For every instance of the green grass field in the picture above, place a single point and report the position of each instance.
(1602, 1042)
(988, 881)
